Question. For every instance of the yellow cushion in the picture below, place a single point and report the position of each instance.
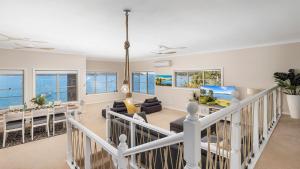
(131, 109)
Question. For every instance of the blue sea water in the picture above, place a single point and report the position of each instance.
(46, 85)
(221, 92)
(11, 90)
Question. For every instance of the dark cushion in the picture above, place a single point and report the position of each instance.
(154, 99)
(40, 120)
(119, 104)
(14, 125)
(59, 117)
(177, 126)
(151, 109)
(119, 109)
(150, 104)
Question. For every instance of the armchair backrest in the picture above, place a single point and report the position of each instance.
(151, 100)
(40, 112)
(60, 109)
(16, 107)
(118, 104)
(13, 116)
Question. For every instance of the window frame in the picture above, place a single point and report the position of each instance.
(24, 94)
(95, 73)
(57, 72)
(147, 88)
(188, 71)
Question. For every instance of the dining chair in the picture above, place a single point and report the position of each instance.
(2, 112)
(13, 121)
(59, 116)
(40, 118)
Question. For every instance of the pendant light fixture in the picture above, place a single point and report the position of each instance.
(126, 83)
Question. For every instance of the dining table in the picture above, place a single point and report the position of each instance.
(72, 109)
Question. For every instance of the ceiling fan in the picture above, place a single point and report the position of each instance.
(6, 38)
(31, 46)
(165, 53)
(163, 50)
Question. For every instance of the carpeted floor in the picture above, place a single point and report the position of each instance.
(15, 138)
(283, 149)
(282, 152)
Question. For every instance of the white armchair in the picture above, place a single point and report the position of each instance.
(59, 116)
(40, 118)
(13, 121)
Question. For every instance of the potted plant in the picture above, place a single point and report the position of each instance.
(39, 100)
(290, 83)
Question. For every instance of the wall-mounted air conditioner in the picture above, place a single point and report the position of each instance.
(163, 63)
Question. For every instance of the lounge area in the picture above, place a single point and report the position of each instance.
(149, 84)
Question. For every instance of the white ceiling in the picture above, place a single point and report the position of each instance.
(95, 28)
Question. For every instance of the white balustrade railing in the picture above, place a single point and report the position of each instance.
(233, 137)
(245, 142)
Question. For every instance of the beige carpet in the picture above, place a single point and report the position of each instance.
(283, 151)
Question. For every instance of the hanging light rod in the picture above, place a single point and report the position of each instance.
(126, 83)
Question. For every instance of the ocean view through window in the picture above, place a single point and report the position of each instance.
(101, 82)
(143, 82)
(11, 88)
(56, 86)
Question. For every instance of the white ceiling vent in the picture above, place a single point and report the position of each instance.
(163, 63)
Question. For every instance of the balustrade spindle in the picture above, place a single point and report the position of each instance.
(256, 127)
(108, 124)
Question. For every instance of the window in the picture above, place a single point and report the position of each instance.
(56, 85)
(101, 83)
(143, 82)
(195, 79)
(11, 88)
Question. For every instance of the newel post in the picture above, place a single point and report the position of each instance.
(122, 161)
(108, 123)
(192, 137)
(132, 139)
(235, 160)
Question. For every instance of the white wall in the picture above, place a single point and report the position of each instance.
(30, 61)
(244, 68)
(102, 66)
